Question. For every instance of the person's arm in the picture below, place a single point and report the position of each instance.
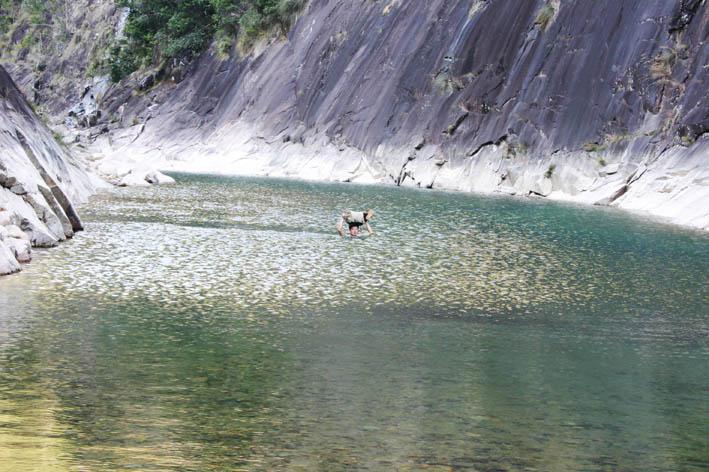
(340, 231)
(369, 228)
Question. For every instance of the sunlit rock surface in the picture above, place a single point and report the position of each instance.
(39, 182)
(603, 102)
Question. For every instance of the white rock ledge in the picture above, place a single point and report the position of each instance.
(673, 187)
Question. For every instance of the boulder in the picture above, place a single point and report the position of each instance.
(15, 232)
(133, 179)
(37, 235)
(542, 187)
(615, 195)
(147, 82)
(141, 177)
(46, 215)
(18, 189)
(158, 178)
(8, 262)
(20, 248)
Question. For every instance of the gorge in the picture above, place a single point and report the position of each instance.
(534, 295)
(597, 102)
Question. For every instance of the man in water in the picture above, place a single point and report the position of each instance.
(354, 220)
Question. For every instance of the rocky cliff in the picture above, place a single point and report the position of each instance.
(602, 102)
(39, 182)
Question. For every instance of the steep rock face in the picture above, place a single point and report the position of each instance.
(60, 61)
(602, 102)
(53, 57)
(39, 182)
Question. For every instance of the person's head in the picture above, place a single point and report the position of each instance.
(370, 214)
(354, 231)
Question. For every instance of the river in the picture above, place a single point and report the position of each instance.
(221, 324)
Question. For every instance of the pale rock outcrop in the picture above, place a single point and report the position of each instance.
(466, 95)
(8, 262)
(39, 183)
(21, 248)
(438, 95)
(144, 178)
(158, 178)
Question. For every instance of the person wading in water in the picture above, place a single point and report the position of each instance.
(354, 220)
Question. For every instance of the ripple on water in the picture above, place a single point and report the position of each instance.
(221, 324)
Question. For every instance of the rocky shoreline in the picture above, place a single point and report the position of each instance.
(40, 182)
(469, 95)
(673, 187)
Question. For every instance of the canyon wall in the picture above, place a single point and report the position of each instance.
(40, 183)
(602, 102)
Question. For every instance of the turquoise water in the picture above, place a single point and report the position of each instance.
(221, 324)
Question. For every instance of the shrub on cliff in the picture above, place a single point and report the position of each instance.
(160, 30)
(7, 13)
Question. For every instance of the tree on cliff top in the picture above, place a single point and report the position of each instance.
(160, 30)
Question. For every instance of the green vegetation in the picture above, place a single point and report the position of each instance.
(158, 31)
(602, 162)
(615, 138)
(545, 16)
(593, 147)
(550, 171)
(58, 138)
(662, 64)
(36, 9)
(30, 24)
(28, 40)
(7, 15)
(687, 140)
(516, 149)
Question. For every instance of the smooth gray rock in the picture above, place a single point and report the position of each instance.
(18, 189)
(542, 187)
(158, 178)
(39, 181)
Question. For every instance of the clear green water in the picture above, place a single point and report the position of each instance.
(220, 324)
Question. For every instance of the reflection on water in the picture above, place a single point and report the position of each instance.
(221, 324)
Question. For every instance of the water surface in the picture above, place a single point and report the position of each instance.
(221, 324)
